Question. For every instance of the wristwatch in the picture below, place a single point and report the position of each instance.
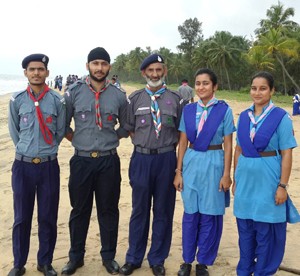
(284, 186)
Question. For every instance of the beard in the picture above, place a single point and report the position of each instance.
(156, 83)
(96, 79)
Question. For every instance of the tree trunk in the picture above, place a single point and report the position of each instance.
(287, 73)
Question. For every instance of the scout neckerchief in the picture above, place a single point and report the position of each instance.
(254, 122)
(216, 116)
(155, 108)
(204, 113)
(97, 102)
(43, 127)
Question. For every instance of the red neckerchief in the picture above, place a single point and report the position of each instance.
(97, 97)
(48, 137)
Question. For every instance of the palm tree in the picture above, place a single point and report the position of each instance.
(260, 59)
(278, 47)
(278, 19)
(223, 50)
(177, 66)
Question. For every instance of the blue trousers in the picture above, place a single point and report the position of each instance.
(296, 108)
(30, 180)
(262, 247)
(100, 177)
(203, 232)
(151, 178)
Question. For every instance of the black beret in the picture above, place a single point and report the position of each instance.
(98, 53)
(151, 59)
(35, 57)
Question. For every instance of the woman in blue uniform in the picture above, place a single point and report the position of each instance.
(203, 172)
(262, 162)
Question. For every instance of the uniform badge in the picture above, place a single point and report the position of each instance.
(83, 116)
(143, 121)
(169, 120)
(25, 120)
(168, 102)
(49, 120)
(109, 118)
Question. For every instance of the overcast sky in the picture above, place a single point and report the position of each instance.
(67, 30)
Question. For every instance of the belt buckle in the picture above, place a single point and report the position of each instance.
(36, 160)
(153, 151)
(94, 154)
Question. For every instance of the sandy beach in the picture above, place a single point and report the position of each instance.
(228, 253)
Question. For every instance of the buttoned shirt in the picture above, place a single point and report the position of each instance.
(140, 121)
(24, 125)
(80, 105)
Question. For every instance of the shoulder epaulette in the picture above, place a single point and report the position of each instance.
(135, 93)
(17, 94)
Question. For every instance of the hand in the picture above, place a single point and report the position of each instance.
(178, 182)
(225, 183)
(69, 136)
(280, 196)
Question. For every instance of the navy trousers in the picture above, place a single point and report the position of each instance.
(203, 232)
(30, 180)
(151, 178)
(102, 177)
(262, 247)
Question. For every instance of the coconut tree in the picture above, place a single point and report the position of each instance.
(278, 18)
(261, 60)
(223, 50)
(279, 47)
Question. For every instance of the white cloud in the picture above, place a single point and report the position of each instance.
(67, 30)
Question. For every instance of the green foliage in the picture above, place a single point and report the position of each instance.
(276, 48)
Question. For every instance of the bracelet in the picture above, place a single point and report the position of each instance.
(284, 186)
(177, 170)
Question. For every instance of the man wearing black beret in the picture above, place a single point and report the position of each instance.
(153, 116)
(36, 124)
(97, 106)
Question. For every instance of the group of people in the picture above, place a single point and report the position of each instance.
(58, 82)
(177, 146)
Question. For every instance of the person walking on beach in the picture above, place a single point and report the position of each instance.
(96, 107)
(153, 117)
(186, 92)
(36, 124)
(203, 173)
(263, 162)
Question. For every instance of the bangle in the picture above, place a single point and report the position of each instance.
(177, 170)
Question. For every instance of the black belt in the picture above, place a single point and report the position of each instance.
(95, 154)
(154, 151)
(35, 160)
(210, 147)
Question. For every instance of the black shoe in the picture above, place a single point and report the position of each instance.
(158, 270)
(201, 270)
(48, 270)
(71, 267)
(111, 266)
(17, 271)
(185, 270)
(128, 268)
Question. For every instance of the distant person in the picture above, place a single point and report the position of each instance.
(37, 125)
(186, 92)
(114, 81)
(153, 116)
(262, 165)
(203, 173)
(96, 107)
(296, 105)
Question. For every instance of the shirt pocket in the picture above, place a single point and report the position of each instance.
(50, 116)
(27, 115)
(143, 118)
(169, 118)
(83, 114)
(109, 117)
